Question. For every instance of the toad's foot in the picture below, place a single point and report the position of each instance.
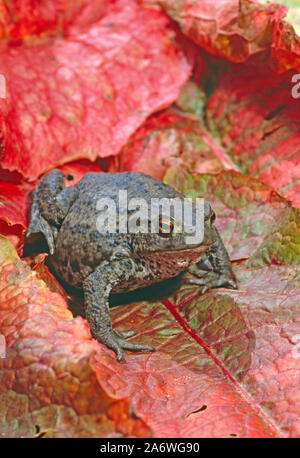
(115, 340)
(212, 280)
(214, 270)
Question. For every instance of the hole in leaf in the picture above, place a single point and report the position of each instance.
(70, 177)
(204, 407)
(275, 112)
(201, 409)
(233, 435)
(270, 132)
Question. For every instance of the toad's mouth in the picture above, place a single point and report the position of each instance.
(192, 249)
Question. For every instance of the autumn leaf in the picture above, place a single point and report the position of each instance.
(215, 353)
(258, 121)
(94, 80)
(59, 109)
(252, 109)
(238, 30)
(23, 20)
(167, 139)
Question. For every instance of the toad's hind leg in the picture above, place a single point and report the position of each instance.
(97, 288)
(50, 204)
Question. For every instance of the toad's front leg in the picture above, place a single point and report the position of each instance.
(221, 272)
(97, 288)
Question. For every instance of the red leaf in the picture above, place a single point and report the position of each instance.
(168, 139)
(227, 362)
(21, 20)
(13, 204)
(60, 109)
(259, 124)
(252, 109)
(238, 30)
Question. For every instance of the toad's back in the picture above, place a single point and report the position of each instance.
(78, 234)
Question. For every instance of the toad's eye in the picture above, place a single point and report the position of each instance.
(165, 227)
(212, 216)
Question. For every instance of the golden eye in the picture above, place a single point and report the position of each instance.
(165, 227)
